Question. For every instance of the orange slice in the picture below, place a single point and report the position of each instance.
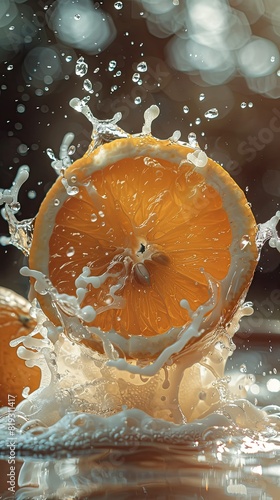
(15, 321)
(153, 228)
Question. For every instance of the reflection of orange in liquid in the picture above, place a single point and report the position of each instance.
(15, 321)
(154, 225)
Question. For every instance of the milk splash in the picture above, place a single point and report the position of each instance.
(104, 399)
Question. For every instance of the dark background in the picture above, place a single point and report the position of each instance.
(196, 59)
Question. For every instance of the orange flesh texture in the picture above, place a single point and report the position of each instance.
(142, 207)
(14, 374)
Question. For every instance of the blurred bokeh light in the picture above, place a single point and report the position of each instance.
(82, 25)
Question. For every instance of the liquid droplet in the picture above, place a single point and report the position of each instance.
(135, 77)
(243, 105)
(192, 139)
(186, 109)
(137, 100)
(118, 5)
(87, 86)
(72, 190)
(142, 67)
(31, 194)
(201, 97)
(71, 150)
(50, 154)
(70, 252)
(211, 113)
(112, 64)
(81, 67)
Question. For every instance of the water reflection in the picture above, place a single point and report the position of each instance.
(205, 471)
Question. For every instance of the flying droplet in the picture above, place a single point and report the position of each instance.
(186, 109)
(112, 64)
(142, 67)
(87, 85)
(31, 194)
(118, 5)
(201, 97)
(211, 113)
(192, 139)
(81, 67)
(50, 154)
(135, 77)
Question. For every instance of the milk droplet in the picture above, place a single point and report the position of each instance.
(77, 17)
(197, 121)
(192, 139)
(243, 105)
(135, 77)
(186, 109)
(87, 85)
(118, 5)
(10, 67)
(50, 154)
(93, 217)
(112, 64)
(142, 67)
(81, 67)
(56, 202)
(31, 194)
(68, 58)
(201, 97)
(211, 113)
(243, 368)
(138, 100)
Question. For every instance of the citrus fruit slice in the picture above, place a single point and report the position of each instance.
(15, 321)
(148, 223)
